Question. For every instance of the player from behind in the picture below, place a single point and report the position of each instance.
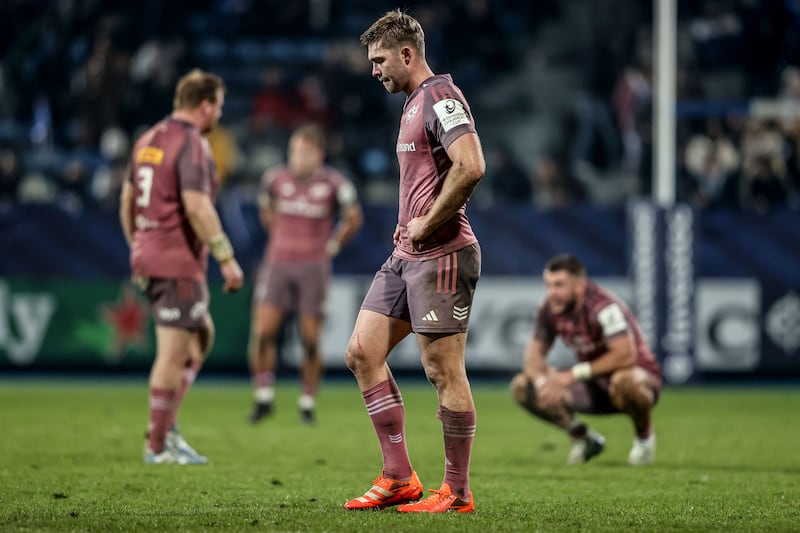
(168, 216)
(616, 371)
(426, 286)
(299, 203)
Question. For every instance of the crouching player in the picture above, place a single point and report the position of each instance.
(616, 371)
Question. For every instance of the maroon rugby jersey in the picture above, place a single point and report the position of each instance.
(434, 115)
(170, 157)
(304, 212)
(587, 329)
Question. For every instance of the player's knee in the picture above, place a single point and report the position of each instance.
(629, 386)
(355, 358)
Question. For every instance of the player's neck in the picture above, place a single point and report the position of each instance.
(418, 77)
(187, 115)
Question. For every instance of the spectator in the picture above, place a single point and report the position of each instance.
(712, 163)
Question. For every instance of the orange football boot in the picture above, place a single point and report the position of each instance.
(386, 492)
(442, 501)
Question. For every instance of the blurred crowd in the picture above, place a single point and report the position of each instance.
(79, 79)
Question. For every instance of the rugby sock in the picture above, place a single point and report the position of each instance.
(162, 402)
(458, 428)
(189, 375)
(385, 408)
(309, 395)
(264, 386)
(577, 429)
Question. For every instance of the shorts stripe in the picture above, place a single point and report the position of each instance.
(454, 273)
(447, 276)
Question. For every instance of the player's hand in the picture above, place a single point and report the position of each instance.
(551, 391)
(232, 272)
(417, 231)
(396, 235)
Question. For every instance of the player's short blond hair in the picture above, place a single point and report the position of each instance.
(395, 29)
(195, 87)
(313, 133)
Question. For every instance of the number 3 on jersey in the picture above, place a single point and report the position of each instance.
(144, 178)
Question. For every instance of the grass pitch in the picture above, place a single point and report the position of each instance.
(70, 460)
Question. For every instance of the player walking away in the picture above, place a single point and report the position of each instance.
(616, 372)
(298, 205)
(168, 216)
(427, 284)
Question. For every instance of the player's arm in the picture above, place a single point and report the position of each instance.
(206, 224)
(467, 170)
(621, 353)
(266, 214)
(535, 361)
(266, 209)
(351, 219)
(126, 211)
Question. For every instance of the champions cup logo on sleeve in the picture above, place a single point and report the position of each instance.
(451, 113)
(151, 155)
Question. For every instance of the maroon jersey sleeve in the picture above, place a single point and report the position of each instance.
(192, 164)
(450, 116)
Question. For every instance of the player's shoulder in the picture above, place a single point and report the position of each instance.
(441, 87)
(332, 175)
(275, 174)
(598, 298)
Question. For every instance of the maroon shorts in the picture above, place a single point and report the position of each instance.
(298, 287)
(178, 303)
(591, 397)
(435, 295)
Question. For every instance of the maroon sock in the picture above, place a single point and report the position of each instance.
(189, 375)
(385, 408)
(458, 428)
(577, 429)
(161, 405)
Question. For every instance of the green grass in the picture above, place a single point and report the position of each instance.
(70, 460)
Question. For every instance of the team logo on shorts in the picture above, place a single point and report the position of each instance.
(460, 313)
(198, 310)
(169, 314)
(431, 316)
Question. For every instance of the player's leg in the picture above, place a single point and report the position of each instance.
(312, 282)
(523, 391)
(311, 370)
(199, 347)
(374, 336)
(443, 361)
(586, 443)
(262, 355)
(172, 347)
(634, 391)
(440, 298)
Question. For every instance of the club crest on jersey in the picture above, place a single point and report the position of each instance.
(287, 189)
(412, 112)
(319, 191)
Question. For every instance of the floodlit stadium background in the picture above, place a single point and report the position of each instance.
(563, 95)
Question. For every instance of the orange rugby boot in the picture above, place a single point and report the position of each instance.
(442, 501)
(386, 492)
